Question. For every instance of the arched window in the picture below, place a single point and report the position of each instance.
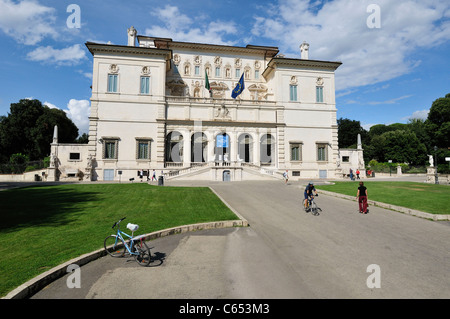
(174, 147)
(267, 149)
(245, 148)
(199, 148)
(222, 148)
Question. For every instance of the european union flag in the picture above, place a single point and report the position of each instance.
(239, 87)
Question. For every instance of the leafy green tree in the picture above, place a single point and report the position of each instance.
(28, 129)
(83, 139)
(438, 122)
(348, 131)
(403, 146)
(375, 150)
(378, 129)
(420, 129)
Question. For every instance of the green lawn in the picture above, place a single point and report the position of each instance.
(430, 198)
(42, 227)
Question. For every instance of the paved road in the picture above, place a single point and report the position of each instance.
(285, 253)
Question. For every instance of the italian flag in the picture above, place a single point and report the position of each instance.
(207, 82)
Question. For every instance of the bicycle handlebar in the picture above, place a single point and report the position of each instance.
(117, 223)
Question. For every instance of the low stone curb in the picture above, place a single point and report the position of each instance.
(34, 285)
(405, 210)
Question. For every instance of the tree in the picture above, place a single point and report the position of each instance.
(83, 139)
(403, 146)
(28, 129)
(420, 129)
(348, 131)
(438, 122)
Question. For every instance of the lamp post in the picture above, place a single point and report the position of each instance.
(436, 180)
(390, 162)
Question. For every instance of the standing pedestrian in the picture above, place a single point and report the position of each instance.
(351, 174)
(357, 173)
(141, 174)
(361, 196)
(154, 175)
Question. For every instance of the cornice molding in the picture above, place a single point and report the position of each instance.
(124, 49)
(300, 63)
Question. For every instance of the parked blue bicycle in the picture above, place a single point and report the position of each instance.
(117, 246)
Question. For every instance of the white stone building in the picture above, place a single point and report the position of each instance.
(150, 110)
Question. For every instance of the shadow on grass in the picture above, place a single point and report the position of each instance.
(41, 205)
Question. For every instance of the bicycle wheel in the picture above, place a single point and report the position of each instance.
(314, 209)
(114, 246)
(143, 256)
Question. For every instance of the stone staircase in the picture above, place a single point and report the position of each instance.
(247, 171)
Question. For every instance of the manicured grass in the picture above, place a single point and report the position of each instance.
(42, 227)
(430, 198)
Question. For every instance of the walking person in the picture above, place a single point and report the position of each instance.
(361, 196)
(154, 175)
(286, 177)
(351, 174)
(357, 174)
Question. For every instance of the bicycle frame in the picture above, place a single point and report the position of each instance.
(129, 248)
(119, 236)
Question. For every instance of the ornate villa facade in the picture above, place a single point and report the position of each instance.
(151, 110)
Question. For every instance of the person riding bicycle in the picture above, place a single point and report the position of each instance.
(309, 192)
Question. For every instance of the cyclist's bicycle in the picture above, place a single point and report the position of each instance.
(117, 246)
(311, 206)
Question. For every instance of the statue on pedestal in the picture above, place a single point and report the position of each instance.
(430, 159)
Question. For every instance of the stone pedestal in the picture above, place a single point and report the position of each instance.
(431, 171)
(52, 174)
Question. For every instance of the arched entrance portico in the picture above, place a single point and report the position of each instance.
(174, 147)
(267, 150)
(199, 148)
(222, 148)
(245, 148)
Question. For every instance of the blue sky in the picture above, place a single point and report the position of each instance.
(391, 71)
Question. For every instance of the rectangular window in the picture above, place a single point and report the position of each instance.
(319, 94)
(322, 152)
(110, 149)
(112, 83)
(143, 150)
(238, 73)
(295, 152)
(217, 72)
(256, 74)
(346, 159)
(74, 156)
(293, 93)
(145, 85)
(197, 70)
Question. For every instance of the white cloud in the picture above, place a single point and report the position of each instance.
(368, 126)
(338, 32)
(421, 115)
(78, 111)
(27, 21)
(391, 101)
(180, 27)
(67, 56)
(50, 105)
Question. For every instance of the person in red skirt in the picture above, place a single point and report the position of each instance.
(361, 195)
